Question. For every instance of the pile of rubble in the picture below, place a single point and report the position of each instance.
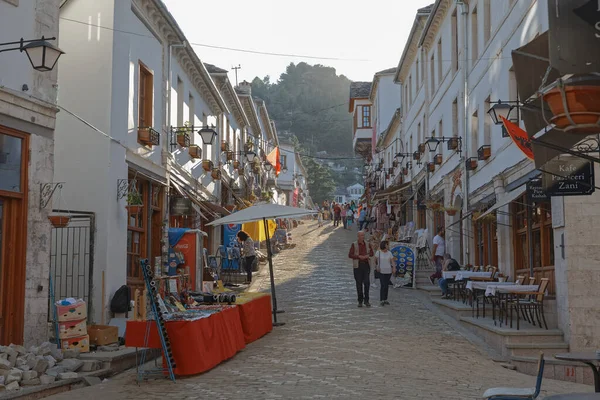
(40, 365)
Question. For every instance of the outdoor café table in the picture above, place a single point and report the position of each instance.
(449, 274)
(461, 275)
(504, 291)
(590, 359)
(574, 396)
(475, 287)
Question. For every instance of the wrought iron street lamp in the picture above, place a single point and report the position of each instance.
(208, 134)
(42, 55)
(432, 144)
(268, 167)
(503, 109)
(250, 156)
(454, 143)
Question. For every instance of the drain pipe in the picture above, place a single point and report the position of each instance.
(167, 144)
(466, 138)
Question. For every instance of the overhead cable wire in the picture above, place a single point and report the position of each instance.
(266, 53)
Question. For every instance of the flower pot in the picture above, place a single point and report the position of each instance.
(183, 139)
(144, 137)
(59, 221)
(134, 208)
(433, 206)
(583, 106)
(207, 165)
(224, 146)
(422, 148)
(451, 213)
(236, 165)
(216, 174)
(229, 155)
(195, 151)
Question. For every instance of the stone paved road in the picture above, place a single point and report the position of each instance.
(329, 348)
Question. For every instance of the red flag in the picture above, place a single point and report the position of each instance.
(275, 160)
(519, 136)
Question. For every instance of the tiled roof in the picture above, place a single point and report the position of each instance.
(386, 71)
(426, 9)
(360, 89)
(212, 69)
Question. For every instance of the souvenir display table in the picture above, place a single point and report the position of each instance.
(255, 315)
(206, 335)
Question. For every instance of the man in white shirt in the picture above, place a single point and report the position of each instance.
(438, 251)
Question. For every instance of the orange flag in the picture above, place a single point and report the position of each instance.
(275, 160)
(519, 136)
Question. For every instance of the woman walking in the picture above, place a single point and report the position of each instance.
(384, 260)
(248, 253)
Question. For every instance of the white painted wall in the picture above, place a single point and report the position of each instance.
(387, 100)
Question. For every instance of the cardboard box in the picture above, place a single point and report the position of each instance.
(101, 335)
(70, 329)
(73, 312)
(81, 343)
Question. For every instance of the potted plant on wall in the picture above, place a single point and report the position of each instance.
(195, 151)
(207, 165)
(59, 221)
(433, 205)
(224, 145)
(451, 210)
(216, 174)
(575, 107)
(183, 135)
(134, 202)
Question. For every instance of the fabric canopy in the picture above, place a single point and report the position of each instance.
(256, 230)
(262, 211)
(506, 199)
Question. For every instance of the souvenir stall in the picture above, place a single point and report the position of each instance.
(197, 324)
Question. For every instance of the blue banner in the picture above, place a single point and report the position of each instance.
(229, 234)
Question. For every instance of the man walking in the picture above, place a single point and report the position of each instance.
(360, 252)
(337, 214)
(438, 251)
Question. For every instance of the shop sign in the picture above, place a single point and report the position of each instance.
(568, 176)
(536, 192)
(181, 206)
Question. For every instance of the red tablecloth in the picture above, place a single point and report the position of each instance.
(198, 345)
(256, 318)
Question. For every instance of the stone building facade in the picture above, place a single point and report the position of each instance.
(27, 121)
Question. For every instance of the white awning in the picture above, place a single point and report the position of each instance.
(505, 199)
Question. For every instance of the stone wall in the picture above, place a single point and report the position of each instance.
(38, 242)
(582, 218)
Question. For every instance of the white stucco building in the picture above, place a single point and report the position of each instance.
(455, 66)
(118, 137)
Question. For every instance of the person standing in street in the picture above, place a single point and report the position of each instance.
(337, 214)
(343, 214)
(384, 260)
(360, 252)
(438, 251)
(248, 253)
(361, 217)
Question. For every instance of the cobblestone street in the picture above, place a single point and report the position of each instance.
(329, 348)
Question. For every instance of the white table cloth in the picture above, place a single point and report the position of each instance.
(449, 274)
(461, 275)
(491, 290)
(484, 285)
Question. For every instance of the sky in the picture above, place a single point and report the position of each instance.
(362, 37)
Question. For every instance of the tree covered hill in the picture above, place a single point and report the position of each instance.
(310, 102)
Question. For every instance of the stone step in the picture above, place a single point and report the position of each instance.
(554, 369)
(534, 349)
(498, 337)
(456, 309)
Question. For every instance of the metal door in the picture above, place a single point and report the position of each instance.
(71, 259)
